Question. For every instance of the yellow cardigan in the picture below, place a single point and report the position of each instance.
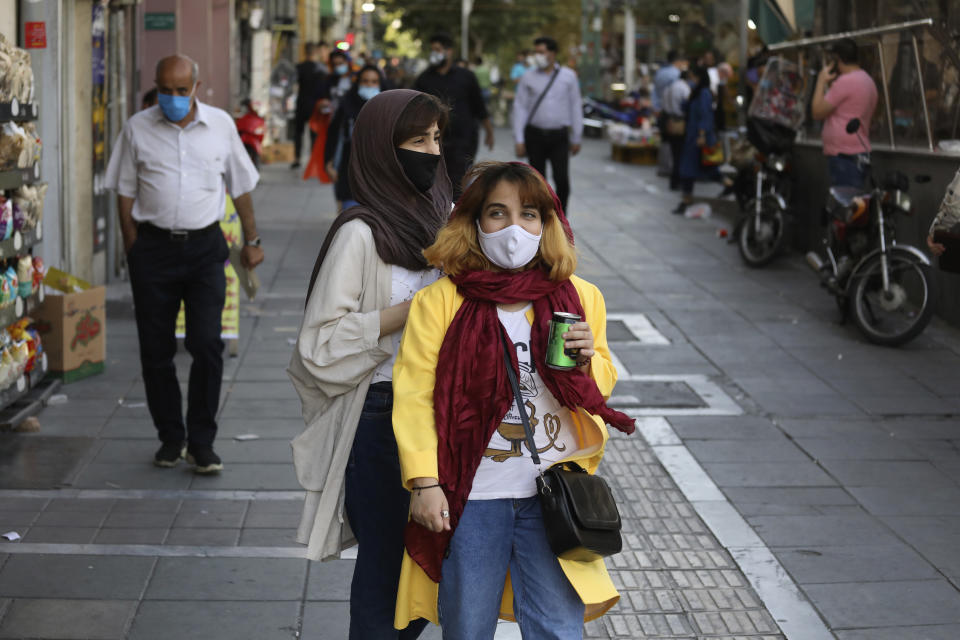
(431, 313)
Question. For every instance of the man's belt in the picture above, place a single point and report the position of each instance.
(853, 157)
(177, 235)
(541, 130)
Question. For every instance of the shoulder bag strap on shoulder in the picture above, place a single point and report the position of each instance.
(536, 105)
(518, 398)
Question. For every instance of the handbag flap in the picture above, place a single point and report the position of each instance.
(590, 499)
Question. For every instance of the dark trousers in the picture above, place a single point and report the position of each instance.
(551, 145)
(299, 124)
(676, 150)
(458, 156)
(377, 507)
(164, 271)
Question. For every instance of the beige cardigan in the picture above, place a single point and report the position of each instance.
(338, 350)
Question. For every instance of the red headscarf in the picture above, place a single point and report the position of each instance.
(473, 393)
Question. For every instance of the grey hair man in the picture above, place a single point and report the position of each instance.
(177, 161)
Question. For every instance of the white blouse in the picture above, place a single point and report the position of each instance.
(405, 284)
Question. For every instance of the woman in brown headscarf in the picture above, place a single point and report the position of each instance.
(369, 267)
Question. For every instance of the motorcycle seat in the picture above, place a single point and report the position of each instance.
(844, 196)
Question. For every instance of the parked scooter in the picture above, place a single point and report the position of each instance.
(887, 287)
(763, 193)
(251, 128)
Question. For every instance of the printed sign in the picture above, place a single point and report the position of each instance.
(35, 35)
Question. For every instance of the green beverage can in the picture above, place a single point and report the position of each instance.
(557, 356)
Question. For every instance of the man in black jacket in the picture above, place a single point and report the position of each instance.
(311, 77)
(459, 89)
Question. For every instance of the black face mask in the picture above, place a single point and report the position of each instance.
(420, 168)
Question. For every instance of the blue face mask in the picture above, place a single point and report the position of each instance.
(341, 69)
(175, 108)
(368, 92)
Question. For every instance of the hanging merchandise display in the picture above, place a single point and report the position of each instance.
(23, 362)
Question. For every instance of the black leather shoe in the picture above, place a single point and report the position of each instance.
(205, 460)
(169, 454)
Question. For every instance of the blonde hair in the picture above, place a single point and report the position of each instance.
(457, 250)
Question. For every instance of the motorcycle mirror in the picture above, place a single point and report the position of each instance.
(853, 126)
(922, 179)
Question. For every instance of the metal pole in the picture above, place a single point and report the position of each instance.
(629, 47)
(466, 7)
(860, 33)
(742, 71)
(886, 93)
(923, 91)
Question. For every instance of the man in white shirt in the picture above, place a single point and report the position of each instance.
(173, 161)
(674, 123)
(552, 128)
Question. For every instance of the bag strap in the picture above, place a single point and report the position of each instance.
(518, 398)
(536, 105)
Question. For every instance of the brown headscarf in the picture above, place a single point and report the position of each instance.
(404, 221)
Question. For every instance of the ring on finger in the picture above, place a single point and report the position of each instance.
(444, 514)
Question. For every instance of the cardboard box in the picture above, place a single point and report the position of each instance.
(278, 152)
(73, 330)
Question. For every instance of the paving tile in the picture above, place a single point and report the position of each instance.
(859, 448)
(56, 619)
(927, 632)
(130, 536)
(227, 579)
(821, 531)
(879, 604)
(142, 475)
(873, 473)
(330, 580)
(250, 476)
(904, 500)
(162, 620)
(767, 474)
(855, 564)
(211, 513)
(138, 520)
(326, 619)
(91, 518)
(283, 429)
(746, 451)
(58, 505)
(203, 537)
(71, 576)
(146, 505)
(832, 428)
(269, 538)
(262, 409)
(10, 519)
(60, 534)
(725, 428)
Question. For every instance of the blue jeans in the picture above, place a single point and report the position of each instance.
(493, 536)
(377, 506)
(845, 171)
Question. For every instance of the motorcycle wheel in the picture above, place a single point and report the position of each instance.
(758, 249)
(896, 318)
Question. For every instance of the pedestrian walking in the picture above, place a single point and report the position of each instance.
(852, 94)
(173, 161)
(336, 154)
(508, 251)
(665, 76)
(311, 77)
(458, 88)
(699, 133)
(674, 123)
(370, 265)
(338, 81)
(548, 116)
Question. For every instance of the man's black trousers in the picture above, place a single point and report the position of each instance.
(553, 145)
(165, 269)
(299, 125)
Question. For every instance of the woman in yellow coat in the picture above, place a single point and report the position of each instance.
(475, 546)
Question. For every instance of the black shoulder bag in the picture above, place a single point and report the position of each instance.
(579, 512)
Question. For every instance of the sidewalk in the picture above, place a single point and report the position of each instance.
(768, 471)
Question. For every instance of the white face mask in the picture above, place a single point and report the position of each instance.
(511, 247)
(541, 60)
(437, 58)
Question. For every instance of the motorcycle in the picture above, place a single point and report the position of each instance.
(251, 128)
(763, 193)
(887, 287)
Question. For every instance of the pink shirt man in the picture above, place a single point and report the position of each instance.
(853, 95)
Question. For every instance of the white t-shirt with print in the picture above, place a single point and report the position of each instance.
(506, 470)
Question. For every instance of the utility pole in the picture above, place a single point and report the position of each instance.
(742, 71)
(466, 7)
(629, 46)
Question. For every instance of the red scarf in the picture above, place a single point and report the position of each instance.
(472, 392)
